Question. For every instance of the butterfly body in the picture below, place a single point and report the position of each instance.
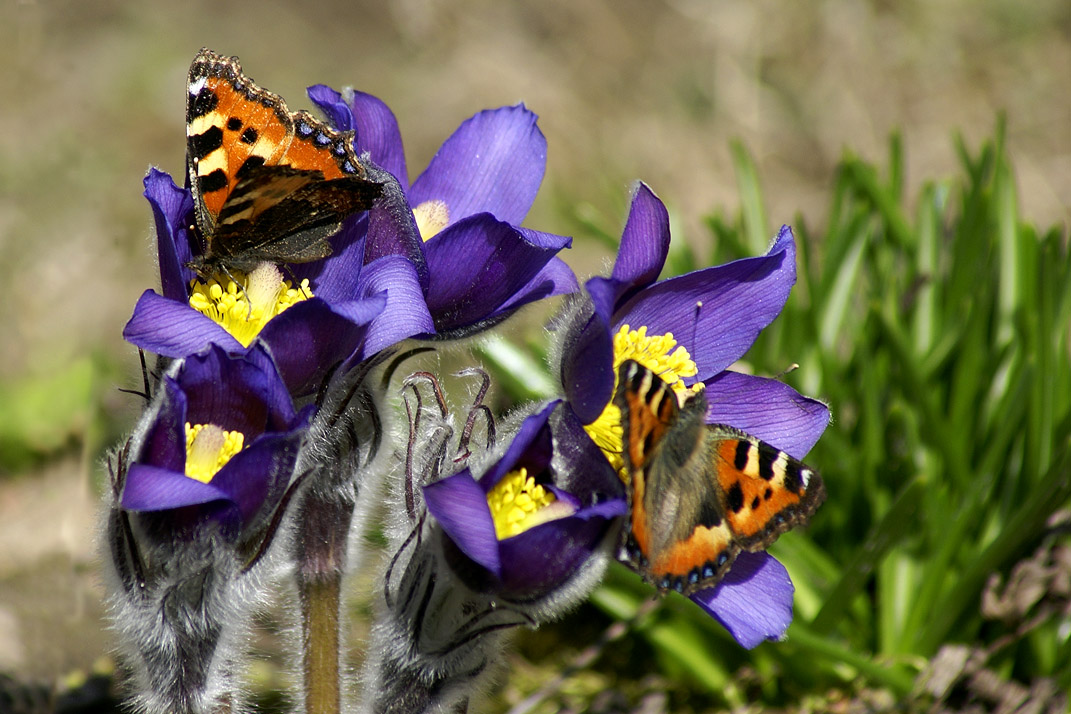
(701, 493)
(268, 184)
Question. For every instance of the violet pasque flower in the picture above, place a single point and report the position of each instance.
(220, 446)
(527, 525)
(192, 508)
(689, 330)
(468, 205)
(307, 327)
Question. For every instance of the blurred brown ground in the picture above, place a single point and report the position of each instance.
(93, 93)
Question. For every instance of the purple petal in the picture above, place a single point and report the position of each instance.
(328, 101)
(754, 600)
(717, 313)
(171, 207)
(173, 329)
(531, 447)
(373, 122)
(477, 265)
(231, 392)
(493, 163)
(544, 557)
(392, 229)
(579, 465)
(257, 363)
(363, 311)
(309, 337)
(335, 278)
(165, 442)
(767, 409)
(256, 478)
(405, 313)
(603, 292)
(554, 278)
(644, 242)
(460, 506)
(587, 366)
(378, 133)
(548, 241)
(150, 488)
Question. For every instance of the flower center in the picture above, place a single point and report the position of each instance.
(663, 356)
(518, 503)
(431, 217)
(243, 310)
(208, 448)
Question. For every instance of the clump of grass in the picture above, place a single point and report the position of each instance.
(937, 328)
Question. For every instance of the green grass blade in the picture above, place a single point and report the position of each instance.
(747, 179)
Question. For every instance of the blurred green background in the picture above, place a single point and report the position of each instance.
(928, 314)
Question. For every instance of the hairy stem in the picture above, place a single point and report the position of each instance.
(322, 546)
(320, 621)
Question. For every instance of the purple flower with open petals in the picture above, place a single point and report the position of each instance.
(526, 526)
(217, 408)
(305, 335)
(468, 204)
(690, 329)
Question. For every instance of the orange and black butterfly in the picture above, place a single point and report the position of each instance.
(268, 184)
(700, 493)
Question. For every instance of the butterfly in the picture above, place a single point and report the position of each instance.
(268, 184)
(699, 494)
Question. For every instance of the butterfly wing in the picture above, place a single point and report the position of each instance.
(699, 494)
(268, 184)
(679, 538)
(766, 491)
(283, 214)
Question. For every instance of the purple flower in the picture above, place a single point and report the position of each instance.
(526, 526)
(690, 329)
(220, 444)
(307, 327)
(468, 204)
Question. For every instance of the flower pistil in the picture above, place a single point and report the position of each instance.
(243, 310)
(209, 448)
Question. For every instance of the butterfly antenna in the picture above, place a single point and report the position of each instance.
(294, 282)
(241, 289)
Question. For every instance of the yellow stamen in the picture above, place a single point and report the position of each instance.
(208, 448)
(518, 503)
(244, 310)
(431, 217)
(663, 356)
